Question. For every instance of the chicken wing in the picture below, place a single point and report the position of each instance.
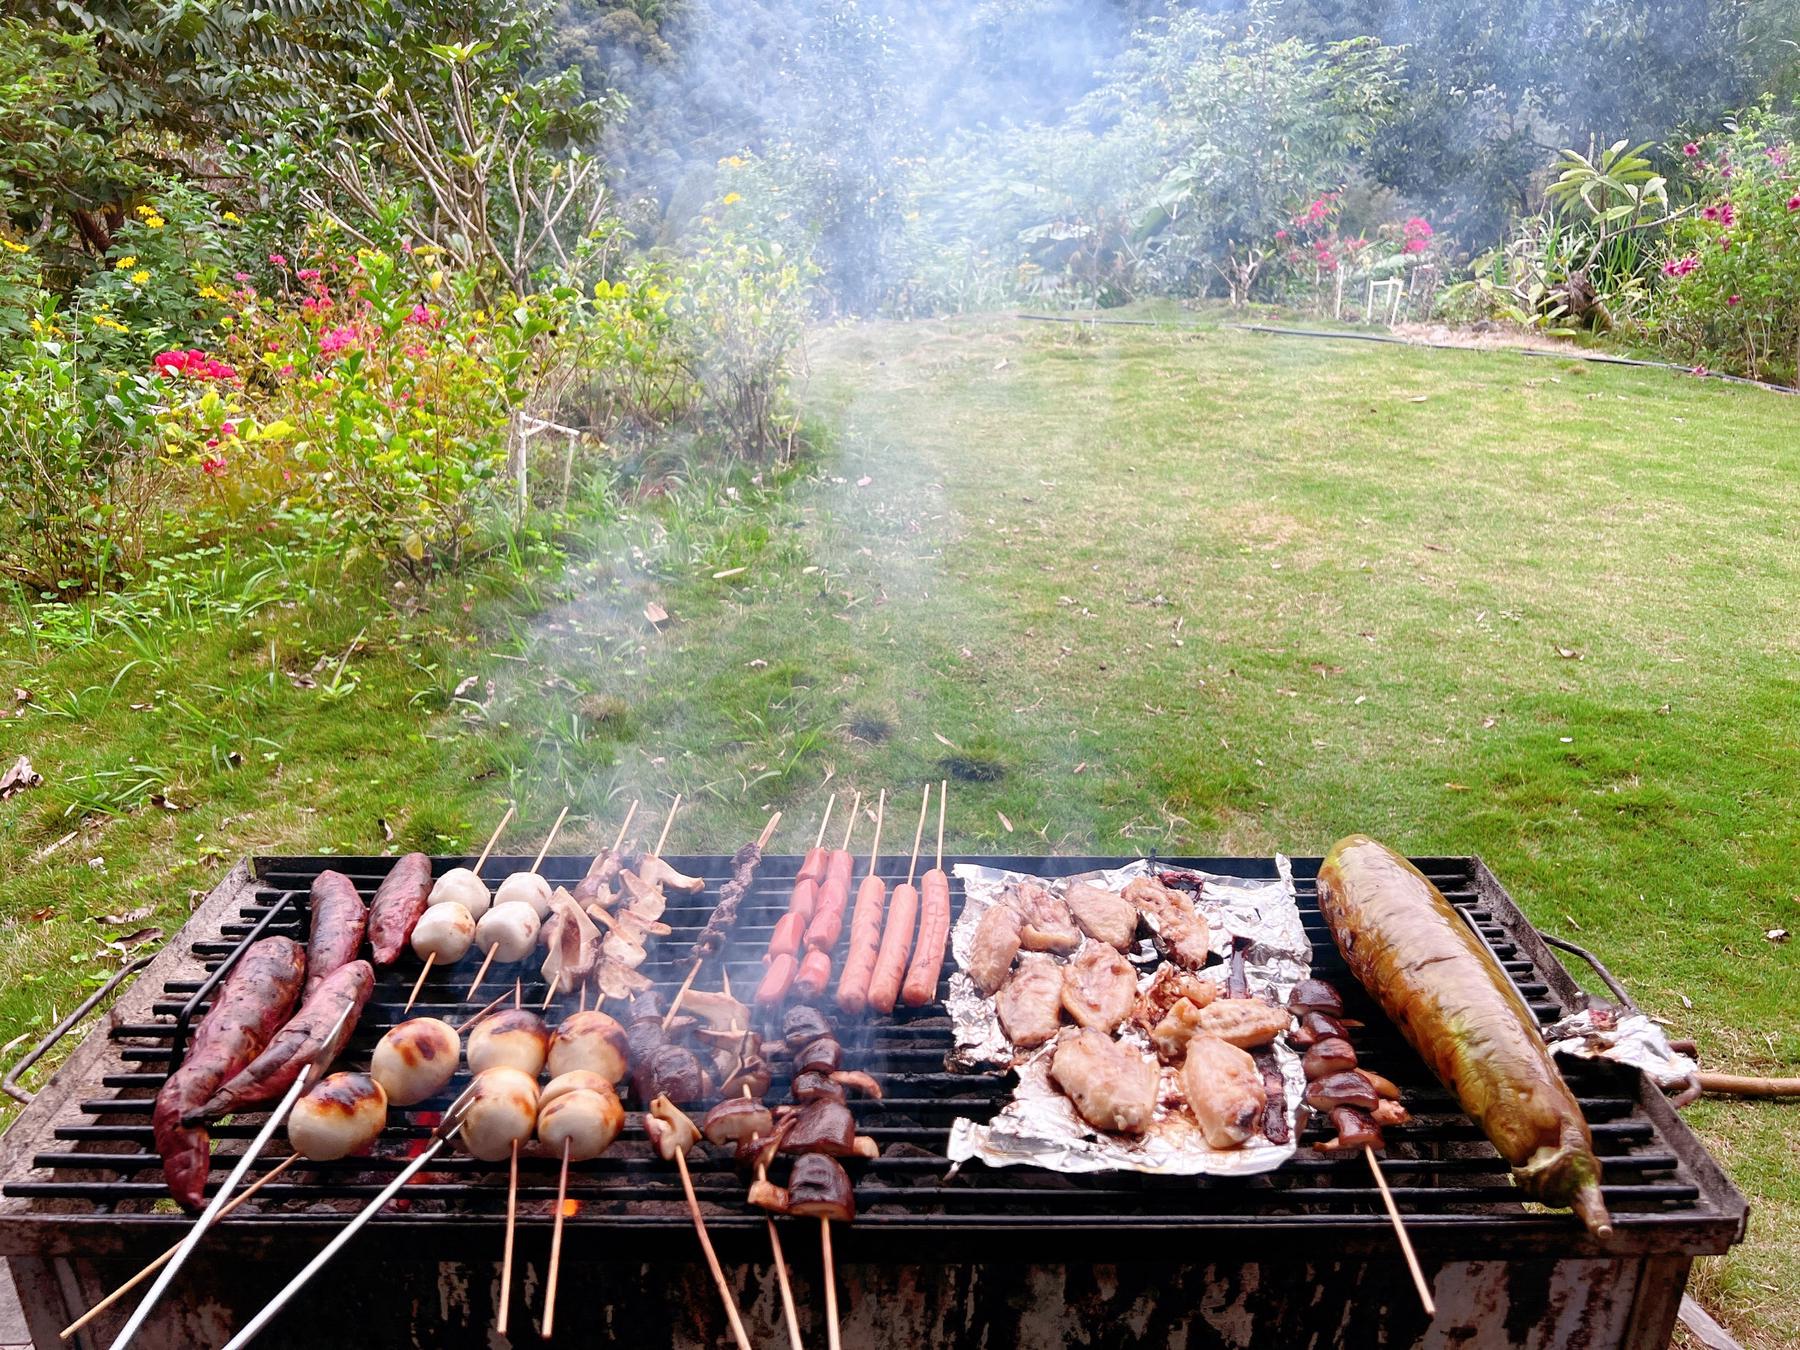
(995, 944)
(1170, 986)
(1030, 1003)
(1224, 1090)
(1103, 915)
(1171, 1035)
(1181, 930)
(1099, 987)
(1244, 1022)
(1048, 925)
(1112, 1086)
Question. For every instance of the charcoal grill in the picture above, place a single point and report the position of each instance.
(997, 1256)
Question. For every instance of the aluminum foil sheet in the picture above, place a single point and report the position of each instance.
(1600, 1031)
(1039, 1126)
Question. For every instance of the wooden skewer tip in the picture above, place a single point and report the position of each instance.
(1406, 1247)
(494, 838)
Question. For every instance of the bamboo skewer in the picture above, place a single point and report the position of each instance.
(562, 1198)
(481, 1013)
(619, 839)
(918, 834)
(1406, 1247)
(419, 984)
(663, 838)
(850, 827)
(494, 838)
(506, 1260)
(549, 839)
(943, 798)
(788, 1311)
(831, 801)
(831, 1308)
(481, 974)
(163, 1260)
(875, 846)
(712, 1258)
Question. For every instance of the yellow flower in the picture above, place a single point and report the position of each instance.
(11, 247)
(232, 218)
(733, 198)
(211, 293)
(146, 211)
(125, 264)
(435, 280)
(155, 222)
(107, 321)
(139, 277)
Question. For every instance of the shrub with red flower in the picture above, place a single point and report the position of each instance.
(194, 364)
(1416, 233)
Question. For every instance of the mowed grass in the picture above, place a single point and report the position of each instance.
(1197, 591)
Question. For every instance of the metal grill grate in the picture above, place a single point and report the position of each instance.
(100, 1189)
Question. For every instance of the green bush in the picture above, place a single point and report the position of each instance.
(1731, 295)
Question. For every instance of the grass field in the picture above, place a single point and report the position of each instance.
(1204, 591)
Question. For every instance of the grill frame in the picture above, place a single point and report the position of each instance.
(41, 1217)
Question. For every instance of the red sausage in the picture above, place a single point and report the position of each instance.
(812, 867)
(790, 931)
(827, 924)
(397, 905)
(865, 942)
(338, 920)
(896, 943)
(775, 984)
(934, 932)
(814, 975)
(248, 1009)
(805, 899)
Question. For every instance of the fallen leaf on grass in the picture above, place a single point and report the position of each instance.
(21, 695)
(44, 915)
(729, 572)
(1777, 935)
(465, 684)
(864, 481)
(387, 830)
(19, 777)
(167, 804)
(137, 915)
(136, 939)
(945, 741)
(1570, 654)
(1004, 821)
(1457, 787)
(656, 613)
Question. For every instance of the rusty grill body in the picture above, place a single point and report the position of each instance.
(996, 1256)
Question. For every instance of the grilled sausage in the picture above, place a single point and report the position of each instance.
(306, 1038)
(896, 945)
(814, 974)
(934, 935)
(1455, 1005)
(775, 984)
(339, 918)
(804, 900)
(827, 923)
(789, 934)
(398, 903)
(255, 999)
(812, 866)
(865, 944)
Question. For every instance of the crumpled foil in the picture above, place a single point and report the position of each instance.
(1600, 1031)
(1039, 1126)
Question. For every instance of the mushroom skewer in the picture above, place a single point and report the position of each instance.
(674, 1134)
(446, 929)
(529, 886)
(464, 884)
(303, 1083)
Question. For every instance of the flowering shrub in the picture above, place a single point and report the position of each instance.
(1317, 264)
(1730, 299)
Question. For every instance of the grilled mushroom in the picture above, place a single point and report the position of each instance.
(822, 1127)
(820, 1187)
(670, 1129)
(736, 1119)
(803, 1024)
(824, 1055)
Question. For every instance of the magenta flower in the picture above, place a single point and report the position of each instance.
(1731, 299)
(334, 340)
(228, 428)
(308, 274)
(278, 260)
(240, 276)
(1793, 203)
(1778, 155)
(424, 318)
(1680, 267)
(1690, 149)
(213, 466)
(1709, 213)
(1727, 215)
(195, 363)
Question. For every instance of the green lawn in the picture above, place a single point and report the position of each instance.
(1204, 591)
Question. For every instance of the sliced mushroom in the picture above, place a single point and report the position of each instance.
(670, 1129)
(656, 872)
(736, 1119)
(857, 1081)
(820, 1187)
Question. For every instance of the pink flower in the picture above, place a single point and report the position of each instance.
(1778, 155)
(1727, 215)
(195, 363)
(334, 340)
(1415, 245)
(1690, 149)
(424, 318)
(1709, 213)
(1724, 170)
(213, 466)
(1281, 234)
(416, 350)
(1731, 299)
(308, 274)
(278, 260)
(316, 304)
(1680, 267)
(286, 371)
(1698, 370)
(228, 428)
(240, 276)
(1793, 203)
(1417, 227)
